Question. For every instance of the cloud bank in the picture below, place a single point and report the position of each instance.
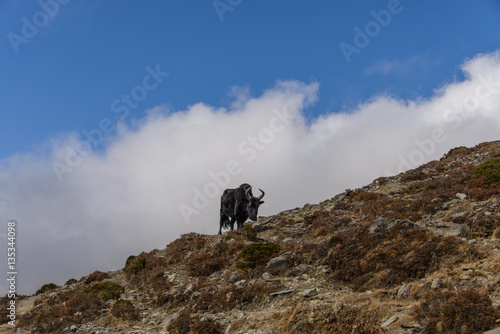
(80, 210)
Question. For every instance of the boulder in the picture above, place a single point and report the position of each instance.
(447, 229)
(280, 262)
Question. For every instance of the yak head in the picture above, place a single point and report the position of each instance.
(253, 203)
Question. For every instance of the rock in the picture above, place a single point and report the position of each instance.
(23, 331)
(214, 274)
(261, 227)
(267, 276)
(378, 225)
(280, 262)
(436, 283)
(284, 292)
(235, 277)
(461, 196)
(448, 205)
(167, 320)
(439, 327)
(310, 292)
(338, 306)
(239, 284)
(390, 321)
(381, 223)
(493, 243)
(291, 231)
(447, 229)
(493, 331)
(404, 291)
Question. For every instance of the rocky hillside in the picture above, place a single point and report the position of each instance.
(414, 253)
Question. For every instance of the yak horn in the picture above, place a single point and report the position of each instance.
(247, 194)
(261, 196)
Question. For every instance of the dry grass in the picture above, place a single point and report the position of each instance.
(178, 249)
(124, 309)
(46, 288)
(61, 311)
(456, 312)
(96, 276)
(205, 264)
(186, 323)
(391, 256)
(348, 320)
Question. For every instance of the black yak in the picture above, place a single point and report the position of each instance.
(237, 205)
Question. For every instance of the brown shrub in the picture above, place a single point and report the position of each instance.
(185, 324)
(181, 324)
(96, 276)
(225, 299)
(348, 320)
(178, 249)
(107, 290)
(135, 264)
(147, 272)
(62, 311)
(71, 281)
(46, 287)
(89, 304)
(256, 254)
(205, 264)
(390, 256)
(322, 223)
(456, 312)
(125, 310)
(205, 326)
(4, 303)
(249, 232)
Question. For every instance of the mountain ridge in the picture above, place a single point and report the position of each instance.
(418, 252)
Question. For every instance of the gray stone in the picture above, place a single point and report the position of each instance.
(378, 225)
(447, 229)
(381, 223)
(267, 276)
(260, 227)
(310, 292)
(291, 231)
(436, 283)
(302, 267)
(235, 277)
(284, 292)
(239, 284)
(404, 291)
(493, 331)
(215, 274)
(494, 243)
(390, 321)
(280, 262)
(461, 196)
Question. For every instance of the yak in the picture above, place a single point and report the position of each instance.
(237, 205)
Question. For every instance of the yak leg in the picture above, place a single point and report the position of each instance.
(240, 224)
(224, 219)
(231, 224)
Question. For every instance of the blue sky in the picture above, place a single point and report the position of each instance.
(87, 55)
(122, 122)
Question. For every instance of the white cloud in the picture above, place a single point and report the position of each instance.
(126, 199)
(402, 67)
